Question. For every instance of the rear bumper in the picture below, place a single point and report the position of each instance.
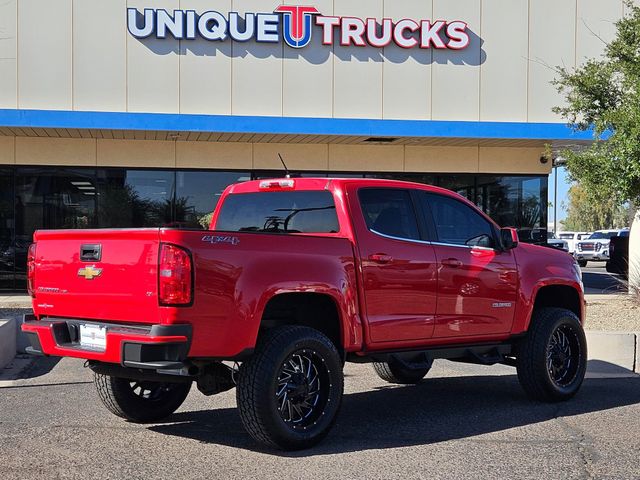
(151, 347)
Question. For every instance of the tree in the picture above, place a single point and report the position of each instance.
(586, 215)
(604, 94)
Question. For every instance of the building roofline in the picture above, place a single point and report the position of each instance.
(17, 118)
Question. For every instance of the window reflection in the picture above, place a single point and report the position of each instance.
(47, 198)
(197, 194)
(135, 198)
(7, 225)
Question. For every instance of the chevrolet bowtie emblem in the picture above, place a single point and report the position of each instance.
(89, 273)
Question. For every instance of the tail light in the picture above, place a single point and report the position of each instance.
(175, 276)
(31, 269)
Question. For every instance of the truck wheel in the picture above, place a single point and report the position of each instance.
(552, 358)
(140, 401)
(289, 391)
(393, 372)
(582, 263)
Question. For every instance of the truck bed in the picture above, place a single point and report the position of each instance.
(233, 278)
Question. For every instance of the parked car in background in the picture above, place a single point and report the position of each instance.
(596, 247)
(619, 255)
(572, 238)
(557, 243)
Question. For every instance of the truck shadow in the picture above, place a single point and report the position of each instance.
(438, 410)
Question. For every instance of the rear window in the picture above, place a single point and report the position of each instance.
(279, 212)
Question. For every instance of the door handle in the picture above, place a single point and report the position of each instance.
(380, 258)
(452, 262)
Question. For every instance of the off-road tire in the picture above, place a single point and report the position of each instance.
(582, 263)
(535, 350)
(393, 372)
(260, 381)
(120, 398)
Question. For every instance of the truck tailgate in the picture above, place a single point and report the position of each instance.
(118, 284)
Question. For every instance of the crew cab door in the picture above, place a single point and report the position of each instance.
(398, 266)
(477, 281)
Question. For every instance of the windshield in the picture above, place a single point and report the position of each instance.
(279, 212)
(602, 235)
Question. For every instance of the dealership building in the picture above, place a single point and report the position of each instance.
(139, 113)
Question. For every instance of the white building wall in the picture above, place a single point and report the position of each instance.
(45, 51)
(77, 54)
(406, 79)
(9, 54)
(504, 73)
(307, 74)
(99, 67)
(456, 74)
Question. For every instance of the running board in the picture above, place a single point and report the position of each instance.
(484, 354)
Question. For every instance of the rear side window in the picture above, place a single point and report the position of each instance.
(390, 212)
(457, 223)
(279, 212)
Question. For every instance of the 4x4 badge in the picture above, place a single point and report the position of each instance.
(90, 272)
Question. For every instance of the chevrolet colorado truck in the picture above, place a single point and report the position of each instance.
(294, 278)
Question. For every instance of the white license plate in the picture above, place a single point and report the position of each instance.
(93, 337)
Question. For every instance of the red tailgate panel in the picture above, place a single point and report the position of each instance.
(125, 290)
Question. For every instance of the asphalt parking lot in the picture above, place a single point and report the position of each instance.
(462, 422)
(598, 281)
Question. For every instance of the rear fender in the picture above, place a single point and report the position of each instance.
(344, 300)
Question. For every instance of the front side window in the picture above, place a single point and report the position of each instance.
(457, 223)
(279, 212)
(390, 212)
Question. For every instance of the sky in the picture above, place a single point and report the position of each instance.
(563, 191)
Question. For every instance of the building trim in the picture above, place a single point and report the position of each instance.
(12, 118)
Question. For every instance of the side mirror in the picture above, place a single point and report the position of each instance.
(509, 237)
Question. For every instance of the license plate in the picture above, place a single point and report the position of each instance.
(93, 337)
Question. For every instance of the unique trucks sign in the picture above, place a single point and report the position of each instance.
(294, 25)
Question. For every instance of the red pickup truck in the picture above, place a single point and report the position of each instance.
(294, 278)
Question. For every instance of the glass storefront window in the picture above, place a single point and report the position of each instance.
(516, 202)
(135, 198)
(197, 194)
(50, 198)
(54, 197)
(462, 184)
(7, 249)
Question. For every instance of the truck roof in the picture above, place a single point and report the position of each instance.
(331, 183)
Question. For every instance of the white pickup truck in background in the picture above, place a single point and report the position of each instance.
(596, 247)
(572, 239)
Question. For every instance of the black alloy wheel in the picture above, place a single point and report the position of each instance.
(289, 391)
(552, 358)
(303, 389)
(563, 355)
(140, 401)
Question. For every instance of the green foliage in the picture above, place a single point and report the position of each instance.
(604, 94)
(205, 220)
(586, 214)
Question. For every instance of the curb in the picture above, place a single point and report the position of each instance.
(618, 349)
(8, 338)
